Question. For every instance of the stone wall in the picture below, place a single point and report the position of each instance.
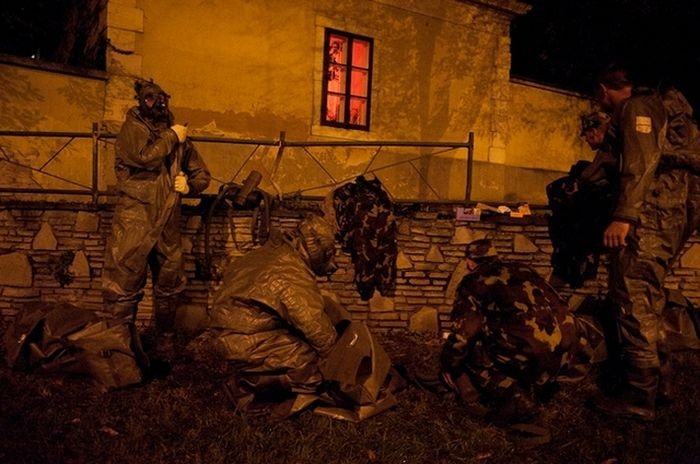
(54, 252)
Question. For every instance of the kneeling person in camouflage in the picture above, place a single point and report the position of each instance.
(512, 338)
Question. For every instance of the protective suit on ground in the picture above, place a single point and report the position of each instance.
(155, 164)
(270, 320)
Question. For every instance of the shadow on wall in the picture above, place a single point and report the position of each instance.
(511, 184)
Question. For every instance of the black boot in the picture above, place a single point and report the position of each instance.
(165, 311)
(638, 398)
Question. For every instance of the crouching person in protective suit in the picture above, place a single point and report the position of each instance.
(513, 338)
(271, 322)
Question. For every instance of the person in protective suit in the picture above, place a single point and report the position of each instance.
(270, 319)
(580, 205)
(646, 232)
(512, 339)
(155, 165)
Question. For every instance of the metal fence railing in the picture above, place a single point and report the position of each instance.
(283, 146)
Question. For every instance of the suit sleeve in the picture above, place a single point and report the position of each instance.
(643, 130)
(139, 147)
(198, 176)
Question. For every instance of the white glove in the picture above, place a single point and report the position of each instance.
(181, 132)
(181, 185)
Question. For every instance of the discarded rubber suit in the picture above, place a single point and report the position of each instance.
(64, 339)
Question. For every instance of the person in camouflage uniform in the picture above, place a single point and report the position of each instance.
(367, 230)
(512, 338)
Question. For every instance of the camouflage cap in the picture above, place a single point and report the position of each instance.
(593, 120)
(481, 249)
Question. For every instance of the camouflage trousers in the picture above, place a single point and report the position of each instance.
(499, 374)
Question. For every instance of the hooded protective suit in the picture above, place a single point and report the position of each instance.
(145, 228)
(270, 313)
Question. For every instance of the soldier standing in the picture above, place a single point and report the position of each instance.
(155, 164)
(645, 234)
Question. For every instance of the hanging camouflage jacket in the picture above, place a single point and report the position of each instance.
(367, 230)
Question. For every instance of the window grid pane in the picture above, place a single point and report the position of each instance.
(347, 83)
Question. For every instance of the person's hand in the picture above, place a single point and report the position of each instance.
(180, 131)
(616, 234)
(181, 185)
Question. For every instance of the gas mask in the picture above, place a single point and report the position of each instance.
(153, 102)
(318, 240)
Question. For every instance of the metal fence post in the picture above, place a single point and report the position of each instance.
(95, 161)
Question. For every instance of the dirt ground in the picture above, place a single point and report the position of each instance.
(187, 418)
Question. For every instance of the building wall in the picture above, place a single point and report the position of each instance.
(441, 69)
(55, 252)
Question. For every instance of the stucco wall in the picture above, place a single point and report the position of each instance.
(37, 100)
(441, 69)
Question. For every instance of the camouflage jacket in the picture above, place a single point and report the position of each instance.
(519, 319)
(367, 230)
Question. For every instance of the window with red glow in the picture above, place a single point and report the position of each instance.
(347, 81)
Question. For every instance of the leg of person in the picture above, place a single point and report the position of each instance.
(511, 403)
(637, 279)
(123, 279)
(124, 272)
(269, 365)
(168, 275)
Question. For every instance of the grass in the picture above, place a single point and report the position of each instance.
(186, 418)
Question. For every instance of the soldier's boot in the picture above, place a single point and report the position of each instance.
(165, 311)
(164, 350)
(664, 394)
(638, 399)
(519, 408)
(469, 397)
(124, 312)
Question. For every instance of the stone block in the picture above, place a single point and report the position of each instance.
(403, 261)
(15, 270)
(45, 238)
(434, 255)
(381, 303)
(425, 321)
(80, 267)
(404, 227)
(87, 222)
(122, 39)
(522, 244)
(125, 64)
(124, 16)
(691, 258)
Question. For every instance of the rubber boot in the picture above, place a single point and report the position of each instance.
(638, 399)
(165, 310)
(124, 312)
